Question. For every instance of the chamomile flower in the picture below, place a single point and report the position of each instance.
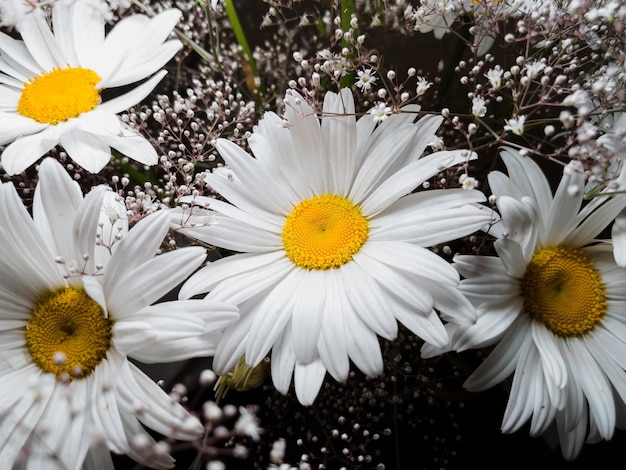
(331, 241)
(69, 392)
(553, 304)
(51, 83)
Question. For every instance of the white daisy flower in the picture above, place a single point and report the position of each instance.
(331, 241)
(67, 334)
(51, 83)
(553, 303)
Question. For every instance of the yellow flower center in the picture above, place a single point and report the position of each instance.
(68, 334)
(563, 290)
(59, 95)
(324, 232)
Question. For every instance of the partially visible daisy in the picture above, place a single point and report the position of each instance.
(553, 304)
(68, 327)
(51, 83)
(614, 140)
(332, 242)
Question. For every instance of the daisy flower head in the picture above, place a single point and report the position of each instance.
(52, 78)
(334, 255)
(552, 303)
(69, 325)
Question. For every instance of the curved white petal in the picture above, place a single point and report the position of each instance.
(308, 379)
(410, 177)
(56, 201)
(26, 150)
(132, 290)
(283, 361)
(339, 138)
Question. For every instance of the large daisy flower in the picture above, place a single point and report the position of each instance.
(68, 325)
(553, 303)
(51, 83)
(331, 241)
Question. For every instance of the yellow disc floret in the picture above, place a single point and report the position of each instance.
(68, 334)
(324, 232)
(59, 95)
(563, 290)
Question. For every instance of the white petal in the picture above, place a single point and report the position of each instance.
(56, 201)
(139, 246)
(159, 412)
(368, 301)
(255, 176)
(86, 149)
(564, 207)
(237, 288)
(26, 150)
(410, 177)
(595, 386)
(85, 227)
(526, 177)
(40, 41)
(493, 321)
(306, 320)
(380, 154)
(502, 360)
(553, 364)
(512, 257)
(22, 250)
(339, 139)
(133, 96)
(411, 259)
(362, 345)
(14, 125)
(427, 326)
(308, 379)
(618, 236)
(272, 316)
(283, 361)
(93, 288)
(131, 144)
(80, 29)
(526, 381)
(597, 221)
(306, 135)
(400, 284)
(332, 342)
(232, 346)
(224, 268)
(147, 283)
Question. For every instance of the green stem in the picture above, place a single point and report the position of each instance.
(239, 34)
